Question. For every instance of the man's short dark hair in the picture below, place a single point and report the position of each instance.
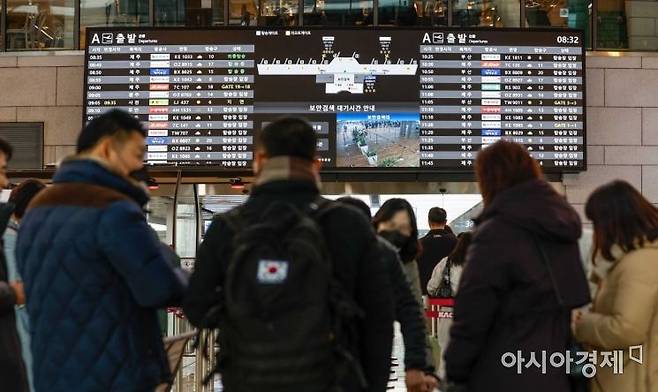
(115, 123)
(289, 136)
(358, 203)
(437, 215)
(6, 148)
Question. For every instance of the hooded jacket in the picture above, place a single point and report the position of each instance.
(94, 273)
(506, 301)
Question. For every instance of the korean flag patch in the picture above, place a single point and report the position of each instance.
(272, 271)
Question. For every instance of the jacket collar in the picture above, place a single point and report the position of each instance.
(438, 231)
(286, 190)
(601, 266)
(287, 168)
(618, 253)
(90, 170)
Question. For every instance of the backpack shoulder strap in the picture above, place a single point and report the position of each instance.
(547, 263)
(446, 271)
(445, 286)
(321, 207)
(233, 219)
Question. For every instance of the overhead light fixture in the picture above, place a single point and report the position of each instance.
(152, 184)
(236, 183)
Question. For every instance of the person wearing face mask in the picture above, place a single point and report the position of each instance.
(13, 375)
(408, 312)
(94, 271)
(396, 222)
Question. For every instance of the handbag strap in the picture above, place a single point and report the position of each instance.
(547, 263)
(446, 272)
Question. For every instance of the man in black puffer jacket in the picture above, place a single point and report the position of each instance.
(287, 171)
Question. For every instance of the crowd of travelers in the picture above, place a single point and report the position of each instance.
(303, 291)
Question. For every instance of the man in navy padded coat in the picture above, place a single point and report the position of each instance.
(94, 271)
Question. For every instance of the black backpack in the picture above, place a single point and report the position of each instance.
(285, 321)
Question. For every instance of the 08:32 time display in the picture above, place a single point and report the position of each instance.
(568, 39)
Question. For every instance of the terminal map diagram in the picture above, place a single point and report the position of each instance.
(340, 72)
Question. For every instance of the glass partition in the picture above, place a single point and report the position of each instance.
(611, 24)
(627, 24)
(40, 24)
(574, 14)
(243, 12)
(103, 13)
(51, 24)
(278, 13)
(338, 12)
(195, 13)
(413, 12)
(486, 13)
(432, 12)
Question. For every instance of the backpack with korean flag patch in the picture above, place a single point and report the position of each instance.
(285, 320)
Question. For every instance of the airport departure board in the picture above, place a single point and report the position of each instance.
(378, 98)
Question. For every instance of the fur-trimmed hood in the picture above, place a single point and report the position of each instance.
(90, 170)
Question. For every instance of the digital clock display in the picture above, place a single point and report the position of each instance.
(568, 39)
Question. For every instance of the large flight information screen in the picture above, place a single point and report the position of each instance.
(420, 99)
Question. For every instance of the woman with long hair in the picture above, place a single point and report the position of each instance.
(523, 276)
(408, 313)
(444, 283)
(456, 260)
(396, 222)
(625, 309)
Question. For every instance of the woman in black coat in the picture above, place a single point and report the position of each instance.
(506, 300)
(12, 370)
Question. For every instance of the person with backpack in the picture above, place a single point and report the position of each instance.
(418, 367)
(523, 276)
(443, 284)
(292, 281)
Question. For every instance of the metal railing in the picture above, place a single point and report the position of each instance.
(201, 360)
(198, 359)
